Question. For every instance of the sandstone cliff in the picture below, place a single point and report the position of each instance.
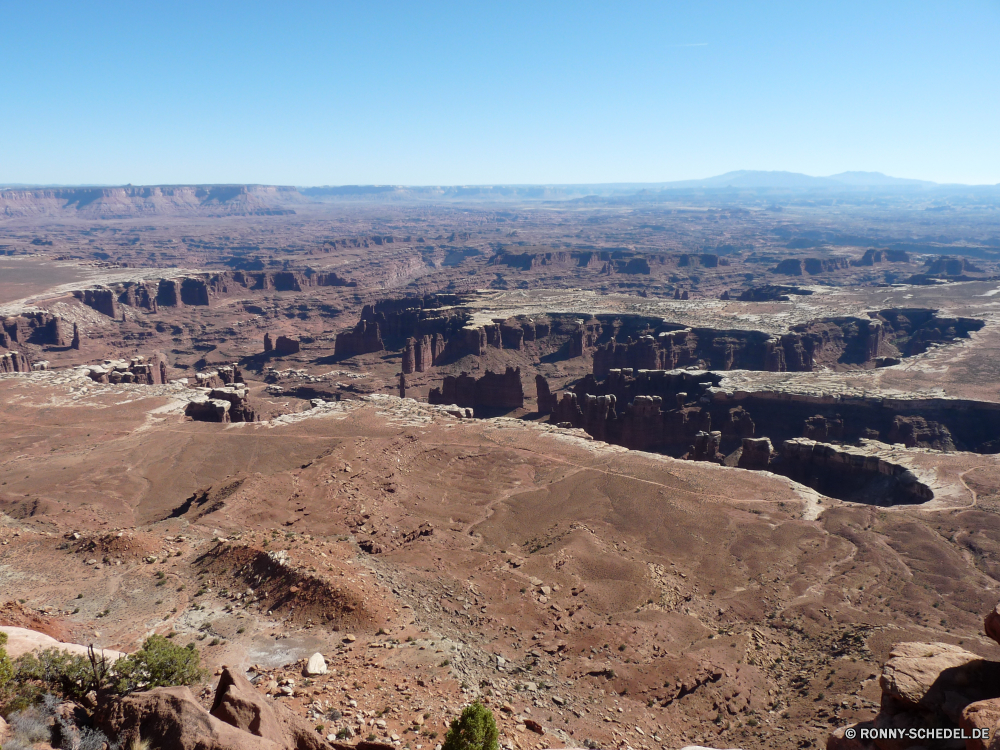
(491, 391)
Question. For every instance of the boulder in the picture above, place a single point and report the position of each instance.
(991, 625)
(239, 704)
(174, 719)
(982, 715)
(315, 666)
(937, 677)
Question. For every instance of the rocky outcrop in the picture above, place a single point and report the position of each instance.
(930, 685)
(770, 293)
(705, 348)
(950, 266)
(226, 404)
(168, 293)
(195, 291)
(226, 375)
(139, 294)
(238, 704)
(608, 261)
(851, 473)
(364, 338)
(285, 345)
(756, 454)
(38, 328)
(544, 397)
(491, 391)
(418, 354)
(846, 341)
(268, 344)
(918, 431)
(707, 447)
(812, 266)
(14, 361)
(178, 722)
(75, 344)
(103, 300)
(137, 370)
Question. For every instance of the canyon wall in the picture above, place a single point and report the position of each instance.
(492, 391)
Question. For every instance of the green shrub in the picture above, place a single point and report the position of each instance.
(56, 671)
(159, 663)
(6, 666)
(475, 729)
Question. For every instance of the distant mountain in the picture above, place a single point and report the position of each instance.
(796, 181)
(877, 179)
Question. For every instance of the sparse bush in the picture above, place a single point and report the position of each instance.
(344, 734)
(30, 725)
(475, 729)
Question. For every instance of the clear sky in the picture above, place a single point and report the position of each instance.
(418, 93)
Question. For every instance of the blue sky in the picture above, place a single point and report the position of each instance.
(476, 93)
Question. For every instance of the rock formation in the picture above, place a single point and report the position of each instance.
(14, 361)
(103, 300)
(239, 718)
(226, 375)
(706, 447)
(830, 341)
(285, 345)
(136, 370)
(364, 338)
(491, 391)
(76, 337)
(855, 473)
(756, 454)
(932, 685)
(226, 404)
(546, 401)
(268, 344)
(38, 328)
(918, 431)
(418, 354)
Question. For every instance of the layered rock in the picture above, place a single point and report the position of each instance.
(225, 375)
(103, 300)
(226, 404)
(545, 400)
(756, 454)
(285, 345)
(829, 341)
(13, 361)
(364, 338)
(38, 328)
(139, 294)
(137, 370)
(842, 471)
(491, 391)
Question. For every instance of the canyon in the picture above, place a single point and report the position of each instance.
(651, 471)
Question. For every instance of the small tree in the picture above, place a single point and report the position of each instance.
(475, 729)
(159, 663)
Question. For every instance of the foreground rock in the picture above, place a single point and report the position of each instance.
(240, 719)
(238, 704)
(177, 722)
(932, 685)
(22, 641)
